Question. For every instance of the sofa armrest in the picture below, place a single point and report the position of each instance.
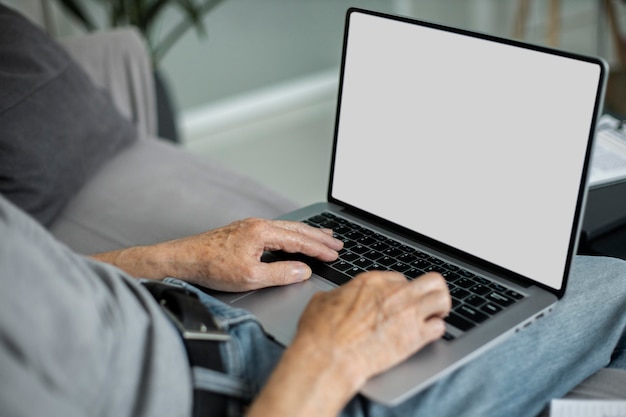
(118, 61)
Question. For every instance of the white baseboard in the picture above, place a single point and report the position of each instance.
(210, 120)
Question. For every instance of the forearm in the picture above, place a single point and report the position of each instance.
(139, 261)
(306, 382)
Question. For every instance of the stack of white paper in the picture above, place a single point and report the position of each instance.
(609, 157)
(588, 408)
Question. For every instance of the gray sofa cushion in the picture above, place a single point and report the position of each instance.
(56, 128)
(155, 191)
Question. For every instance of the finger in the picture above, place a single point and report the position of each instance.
(284, 273)
(433, 329)
(431, 281)
(323, 235)
(435, 303)
(423, 297)
(296, 242)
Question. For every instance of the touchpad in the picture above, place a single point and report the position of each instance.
(280, 308)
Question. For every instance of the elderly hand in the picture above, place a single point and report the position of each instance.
(350, 334)
(376, 321)
(229, 258)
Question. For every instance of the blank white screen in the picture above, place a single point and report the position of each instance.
(477, 144)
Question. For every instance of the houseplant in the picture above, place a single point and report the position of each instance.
(147, 16)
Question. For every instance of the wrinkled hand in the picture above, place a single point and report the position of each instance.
(375, 321)
(229, 258)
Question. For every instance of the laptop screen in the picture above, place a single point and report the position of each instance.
(477, 143)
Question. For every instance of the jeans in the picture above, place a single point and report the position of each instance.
(585, 332)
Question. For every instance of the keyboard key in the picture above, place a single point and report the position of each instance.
(491, 309)
(465, 273)
(407, 258)
(372, 255)
(393, 252)
(348, 256)
(363, 263)
(377, 267)
(318, 219)
(353, 235)
(348, 244)
(459, 293)
(354, 271)
(475, 301)
(329, 224)
(434, 260)
(420, 263)
(387, 261)
(341, 265)
(514, 294)
(413, 273)
(450, 276)
(480, 289)
(399, 267)
(464, 282)
(393, 243)
(406, 249)
(472, 314)
(341, 230)
(499, 299)
(360, 249)
(459, 322)
(434, 268)
(482, 280)
(366, 240)
(498, 287)
(450, 267)
(379, 246)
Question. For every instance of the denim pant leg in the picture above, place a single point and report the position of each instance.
(249, 357)
(585, 332)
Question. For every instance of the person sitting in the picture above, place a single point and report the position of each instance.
(82, 337)
(99, 335)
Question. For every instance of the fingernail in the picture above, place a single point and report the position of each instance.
(300, 273)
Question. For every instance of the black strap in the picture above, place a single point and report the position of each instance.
(200, 336)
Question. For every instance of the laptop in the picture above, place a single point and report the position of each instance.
(454, 152)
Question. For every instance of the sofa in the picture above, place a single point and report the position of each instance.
(103, 189)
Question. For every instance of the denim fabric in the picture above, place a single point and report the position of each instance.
(585, 332)
(250, 355)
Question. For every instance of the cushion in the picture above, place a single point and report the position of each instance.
(56, 128)
(156, 191)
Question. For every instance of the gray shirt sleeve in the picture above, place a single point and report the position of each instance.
(78, 337)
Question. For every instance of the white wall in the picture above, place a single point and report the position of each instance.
(253, 44)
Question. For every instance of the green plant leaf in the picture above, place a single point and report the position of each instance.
(195, 15)
(79, 13)
(172, 37)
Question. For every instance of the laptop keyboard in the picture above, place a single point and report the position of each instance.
(474, 298)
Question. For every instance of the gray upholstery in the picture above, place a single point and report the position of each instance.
(56, 127)
(111, 60)
(154, 191)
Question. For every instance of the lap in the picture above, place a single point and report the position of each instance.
(517, 377)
